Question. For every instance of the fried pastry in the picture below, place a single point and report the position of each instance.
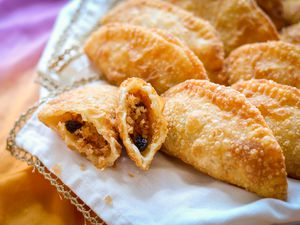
(120, 51)
(218, 131)
(141, 124)
(241, 22)
(291, 34)
(291, 9)
(85, 119)
(198, 34)
(206, 9)
(280, 106)
(274, 9)
(238, 21)
(277, 61)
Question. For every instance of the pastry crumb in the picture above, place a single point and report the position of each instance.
(108, 200)
(131, 174)
(57, 169)
(82, 167)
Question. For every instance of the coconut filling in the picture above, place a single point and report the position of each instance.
(84, 135)
(138, 120)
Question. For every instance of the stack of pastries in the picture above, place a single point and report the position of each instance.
(209, 82)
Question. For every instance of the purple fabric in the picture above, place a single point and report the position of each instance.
(25, 26)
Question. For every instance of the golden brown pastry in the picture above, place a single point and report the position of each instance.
(198, 34)
(85, 119)
(120, 51)
(206, 9)
(238, 21)
(141, 124)
(291, 9)
(274, 9)
(215, 129)
(241, 22)
(277, 60)
(291, 34)
(280, 106)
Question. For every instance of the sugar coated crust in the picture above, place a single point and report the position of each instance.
(219, 132)
(238, 21)
(94, 104)
(274, 60)
(198, 34)
(291, 34)
(120, 51)
(280, 106)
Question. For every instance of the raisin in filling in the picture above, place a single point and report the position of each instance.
(73, 125)
(86, 137)
(140, 142)
(138, 122)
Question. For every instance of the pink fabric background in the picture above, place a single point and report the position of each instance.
(25, 26)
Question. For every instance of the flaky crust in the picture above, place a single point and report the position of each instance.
(274, 9)
(158, 122)
(276, 60)
(96, 104)
(241, 22)
(238, 21)
(280, 106)
(218, 131)
(291, 9)
(120, 51)
(207, 9)
(291, 34)
(198, 34)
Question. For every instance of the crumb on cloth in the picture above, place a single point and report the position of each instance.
(108, 200)
(131, 174)
(82, 167)
(57, 169)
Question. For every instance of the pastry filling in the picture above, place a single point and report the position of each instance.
(138, 120)
(85, 136)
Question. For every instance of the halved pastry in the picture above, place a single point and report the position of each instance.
(141, 124)
(218, 131)
(291, 34)
(198, 34)
(280, 106)
(120, 51)
(275, 60)
(85, 119)
(238, 21)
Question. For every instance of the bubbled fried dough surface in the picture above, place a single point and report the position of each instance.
(206, 9)
(274, 9)
(291, 9)
(93, 105)
(83, 100)
(120, 51)
(198, 34)
(238, 21)
(276, 60)
(220, 133)
(280, 106)
(291, 34)
(241, 22)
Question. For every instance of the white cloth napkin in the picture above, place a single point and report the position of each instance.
(169, 193)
